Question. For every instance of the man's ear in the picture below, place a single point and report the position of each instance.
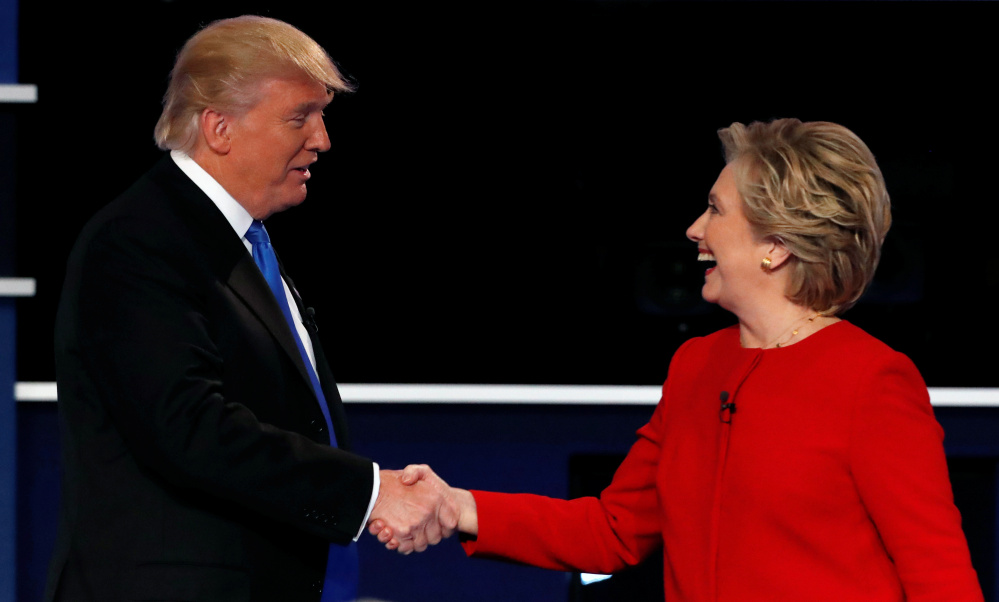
(215, 130)
(777, 253)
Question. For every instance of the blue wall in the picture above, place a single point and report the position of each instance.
(8, 434)
(8, 439)
(8, 41)
(495, 447)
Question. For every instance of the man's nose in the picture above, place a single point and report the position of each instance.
(320, 139)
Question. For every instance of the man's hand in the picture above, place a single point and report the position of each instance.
(414, 514)
(456, 511)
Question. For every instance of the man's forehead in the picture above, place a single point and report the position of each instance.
(296, 93)
(314, 105)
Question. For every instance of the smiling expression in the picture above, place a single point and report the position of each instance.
(274, 143)
(724, 236)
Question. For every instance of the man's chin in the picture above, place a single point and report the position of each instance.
(279, 205)
(293, 199)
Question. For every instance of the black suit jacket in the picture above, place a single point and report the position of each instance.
(196, 457)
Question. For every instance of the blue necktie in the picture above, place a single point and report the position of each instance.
(340, 584)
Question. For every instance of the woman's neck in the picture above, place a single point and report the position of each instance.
(781, 325)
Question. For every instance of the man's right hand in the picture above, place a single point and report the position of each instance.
(456, 511)
(415, 514)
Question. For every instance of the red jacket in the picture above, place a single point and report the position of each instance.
(828, 482)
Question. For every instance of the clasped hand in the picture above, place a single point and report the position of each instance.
(416, 508)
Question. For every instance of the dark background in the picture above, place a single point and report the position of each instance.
(508, 189)
(505, 202)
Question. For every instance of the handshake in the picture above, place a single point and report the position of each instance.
(416, 508)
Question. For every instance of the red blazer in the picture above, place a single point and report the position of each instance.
(828, 482)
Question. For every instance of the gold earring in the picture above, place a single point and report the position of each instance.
(765, 264)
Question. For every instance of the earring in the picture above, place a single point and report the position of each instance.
(765, 264)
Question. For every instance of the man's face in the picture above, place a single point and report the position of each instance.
(273, 144)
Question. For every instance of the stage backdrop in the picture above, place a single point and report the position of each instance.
(505, 202)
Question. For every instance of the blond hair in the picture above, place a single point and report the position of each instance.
(815, 187)
(223, 65)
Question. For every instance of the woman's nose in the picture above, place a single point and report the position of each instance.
(696, 230)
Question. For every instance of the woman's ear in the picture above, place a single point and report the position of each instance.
(777, 253)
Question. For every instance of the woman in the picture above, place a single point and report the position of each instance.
(792, 456)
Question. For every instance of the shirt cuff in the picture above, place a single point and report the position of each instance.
(374, 496)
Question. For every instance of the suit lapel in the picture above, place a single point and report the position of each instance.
(333, 402)
(225, 252)
(249, 285)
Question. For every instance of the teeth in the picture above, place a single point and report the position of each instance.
(705, 257)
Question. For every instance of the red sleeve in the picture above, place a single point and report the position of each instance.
(598, 535)
(898, 463)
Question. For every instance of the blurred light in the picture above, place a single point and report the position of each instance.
(588, 578)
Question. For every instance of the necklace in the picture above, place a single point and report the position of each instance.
(794, 328)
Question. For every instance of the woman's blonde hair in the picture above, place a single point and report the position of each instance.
(815, 187)
(223, 65)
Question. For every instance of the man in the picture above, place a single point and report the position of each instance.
(204, 443)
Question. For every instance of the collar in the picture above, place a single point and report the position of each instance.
(237, 216)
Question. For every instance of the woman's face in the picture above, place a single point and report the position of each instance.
(725, 237)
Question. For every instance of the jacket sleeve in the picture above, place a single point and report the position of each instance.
(898, 462)
(598, 535)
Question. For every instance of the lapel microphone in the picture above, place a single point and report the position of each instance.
(309, 319)
(726, 405)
